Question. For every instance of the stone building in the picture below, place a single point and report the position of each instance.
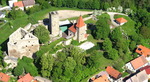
(78, 30)
(22, 43)
(67, 29)
(54, 23)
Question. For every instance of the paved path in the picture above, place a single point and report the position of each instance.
(41, 79)
(111, 14)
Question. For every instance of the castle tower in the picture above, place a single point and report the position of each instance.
(81, 30)
(54, 23)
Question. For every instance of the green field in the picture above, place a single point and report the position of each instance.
(6, 30)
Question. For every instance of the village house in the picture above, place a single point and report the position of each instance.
(24, 4)
(101, 77)
(4, 77)
(139, 77)
(113, 73)
(22, 43)
(19, 4)
(136, 64)
(121, 21)
(142, 50)
(26, 78)
(147, 69)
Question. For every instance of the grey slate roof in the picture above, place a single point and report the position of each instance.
(28, 2)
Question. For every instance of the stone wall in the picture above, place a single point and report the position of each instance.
(21, 43)
(54, 23)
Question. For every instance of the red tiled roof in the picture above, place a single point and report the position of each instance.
(112, 72)
(146, 68)
(26, 78)
(80, 22)
(138, 62)
(19, 4)
(4, 77)
(102, 78)
(121, 20)
(143, 50)
(72, 28)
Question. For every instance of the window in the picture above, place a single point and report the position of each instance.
(139, 49)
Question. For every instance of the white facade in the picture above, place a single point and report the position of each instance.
(131, 68)
(11, 2)
(2, 16)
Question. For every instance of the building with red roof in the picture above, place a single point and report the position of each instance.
(78, 30)
(121, 20)
(102, 78)
(113, 73)
(146, 68)
(136, 64)
(142, 50)
(4, 77)
(19, 4)
(26, 78)
(80, 22)
(139, 77)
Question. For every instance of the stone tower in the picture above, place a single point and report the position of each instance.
(81, 30)
(54, 23)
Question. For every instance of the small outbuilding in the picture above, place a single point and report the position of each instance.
(121, 21)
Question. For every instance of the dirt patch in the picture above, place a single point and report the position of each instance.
(64, 14)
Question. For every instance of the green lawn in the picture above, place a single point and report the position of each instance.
(6, 30)
(75, 18)
(129, 26)
(90, 21)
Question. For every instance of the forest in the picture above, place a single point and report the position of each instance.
(113, 47)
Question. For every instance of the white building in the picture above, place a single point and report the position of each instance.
(11, 2)
(136, 64)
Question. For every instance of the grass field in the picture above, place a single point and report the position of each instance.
(129, 26)
(6, 30)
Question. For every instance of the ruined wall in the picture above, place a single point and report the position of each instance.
(25, 46)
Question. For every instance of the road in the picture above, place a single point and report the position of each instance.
(111, 14)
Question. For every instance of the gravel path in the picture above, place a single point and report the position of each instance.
(64, 14)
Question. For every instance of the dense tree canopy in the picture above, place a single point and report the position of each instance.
(25, 65)
(102, 27)
(42, 33)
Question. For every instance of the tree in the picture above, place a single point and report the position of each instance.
(33, 9)
(94, 59)
(42, 33)
(14, 14)
(95, 4)
(132, 45)
(102, 27)
(81, 4)
(18, 70)
(25, 65)
(113, 54)
(46, 62)
(69, 66)
(107, 44)
(116, 34)
(145, 31)
(88, 4)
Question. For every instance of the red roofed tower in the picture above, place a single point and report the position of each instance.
(81, 30)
